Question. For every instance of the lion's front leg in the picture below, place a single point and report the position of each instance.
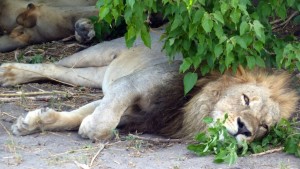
(100, 125)
(49, 119)
(104, 120)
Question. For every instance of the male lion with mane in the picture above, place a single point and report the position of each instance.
(143, 92)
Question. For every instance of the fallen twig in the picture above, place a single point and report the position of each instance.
(156, 140)
(7, 114)
(31, 93)
(268, 152)
(82, 166)
(95, 156)
(275, 21)
(37, 98)
(286, 21)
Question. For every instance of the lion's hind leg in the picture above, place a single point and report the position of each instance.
(49, 119)
(18, 73)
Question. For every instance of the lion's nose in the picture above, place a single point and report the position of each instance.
(242, 129)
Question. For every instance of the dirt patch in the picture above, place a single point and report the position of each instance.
(67, 150)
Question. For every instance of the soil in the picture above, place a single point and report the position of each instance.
(56, 150)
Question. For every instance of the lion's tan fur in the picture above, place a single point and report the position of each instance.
(25, 22)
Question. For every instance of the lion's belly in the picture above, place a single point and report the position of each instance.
(132, 60)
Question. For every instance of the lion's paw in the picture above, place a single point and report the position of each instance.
(88, 129)
(10, 75)
(21, 128)
(33, 121)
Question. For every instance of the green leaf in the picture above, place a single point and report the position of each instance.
(196, 61)
(202, 2)
(189, 81)
(130, 36)
(244, 27)
(229, 48)
(36, 59)
(128, 15)
(116, 2)
(204, 69)
(290, 2)
(192, 30)
(177, 21)
(208, 120)
(103, 12)
(186, 44)
(171, 41)
(234, 3)
(219, 158)
(198, 16)
(99, 4)
(231, 158)
(186, 64)
(145, 35)
(258, 46)
(218, 16)
(251, 62)
(244, 148)
(241, 42)
(207, 23)
(201, 137)
(291, 145)
(218, 50)
(260, 62)
(281, 11)
(131, 32)
(296, 20)
(229, 58)
(218, 31)
(259, 30)
(130, 3)
(224, 7)
(235, 16)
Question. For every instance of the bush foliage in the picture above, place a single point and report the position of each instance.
(217, 141)
(211, 35)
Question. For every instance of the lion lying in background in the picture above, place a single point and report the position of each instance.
(144, 92)
(24, 22)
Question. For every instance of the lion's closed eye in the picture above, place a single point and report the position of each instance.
(265, 126)
(246, 99)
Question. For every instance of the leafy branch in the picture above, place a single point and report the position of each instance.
(217, 141)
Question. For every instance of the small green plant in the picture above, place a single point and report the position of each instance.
(284, 133)
(217, 141)
(36, 59)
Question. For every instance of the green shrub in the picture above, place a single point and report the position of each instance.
(227, 149)
(211, 35)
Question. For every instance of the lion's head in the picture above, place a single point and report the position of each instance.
(254, 101)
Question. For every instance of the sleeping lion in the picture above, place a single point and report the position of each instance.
(143, 91)
(25, 22)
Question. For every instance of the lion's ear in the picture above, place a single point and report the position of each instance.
(28, 18)
(240, 71)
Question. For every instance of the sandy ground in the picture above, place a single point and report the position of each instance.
(56, 150)
(61, 149)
